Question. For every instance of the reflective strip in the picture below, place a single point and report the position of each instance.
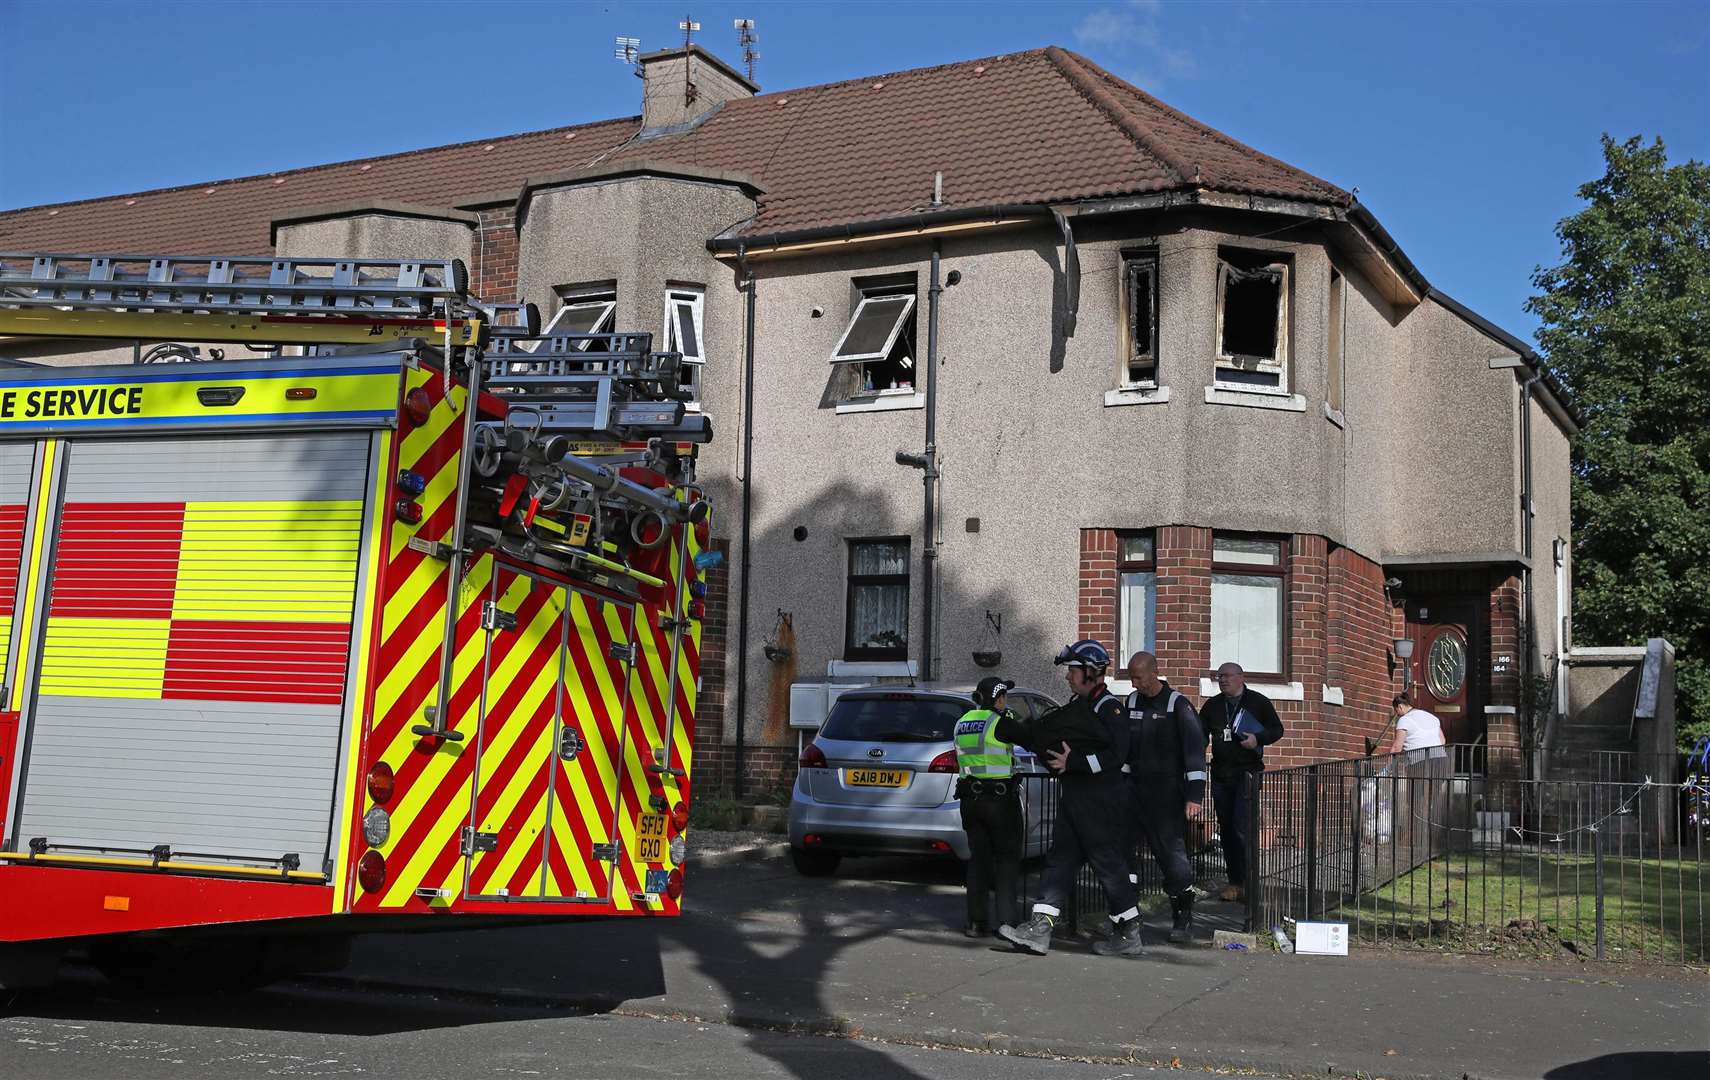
(1133, 879)
(1122, 917)
(1046, 909)
(1092, 763)
(1196, 775)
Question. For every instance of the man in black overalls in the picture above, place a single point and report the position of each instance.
(1166, 776)
(1085, 743)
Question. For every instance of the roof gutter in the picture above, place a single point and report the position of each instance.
(994, 214)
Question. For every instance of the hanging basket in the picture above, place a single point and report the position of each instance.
(776, 655)
(988, 658)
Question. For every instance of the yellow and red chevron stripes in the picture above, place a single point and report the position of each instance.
(555, 671)
(230, 601)
(11, 557)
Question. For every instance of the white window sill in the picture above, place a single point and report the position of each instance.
(843, 669)
(1333, 696)
(1335, 416)
(1275, 691)
(884, 401)
(1255, 399)
(1137, 395)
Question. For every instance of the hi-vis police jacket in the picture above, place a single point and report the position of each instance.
(1165, 742)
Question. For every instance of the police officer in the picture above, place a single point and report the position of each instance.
(991, 803)
(1166, 777)
(1085, 743)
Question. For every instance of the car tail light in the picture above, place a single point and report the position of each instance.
(371, 871)
(381, 783)
(945, 762)
(674, 885)
(813, 839)
(814, 758)
(418, 406)
(938, 845)
(679, 817)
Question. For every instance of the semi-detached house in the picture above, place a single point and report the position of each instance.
(1189, 398)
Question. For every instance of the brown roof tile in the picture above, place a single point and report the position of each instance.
(1043, 126)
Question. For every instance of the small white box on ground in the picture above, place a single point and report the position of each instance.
(1321, 938)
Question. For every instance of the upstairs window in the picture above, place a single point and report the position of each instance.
(1333, 346)
(1252, 321)
(584, 311)
(683, 308)
(878, 343)
(1140, 322)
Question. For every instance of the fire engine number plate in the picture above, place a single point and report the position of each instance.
(877, 778)
(650, 838)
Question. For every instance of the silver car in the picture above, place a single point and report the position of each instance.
(880, 778)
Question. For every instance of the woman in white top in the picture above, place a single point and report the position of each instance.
(1415, 729)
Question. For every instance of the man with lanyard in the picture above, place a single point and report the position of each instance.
(1240, 722)
(991, 803)
(1085, 743)
(1166, 767)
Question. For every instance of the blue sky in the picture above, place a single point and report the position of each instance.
(1465, 127)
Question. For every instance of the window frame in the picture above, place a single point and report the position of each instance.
(869, 296)
(852, 581)
(692, 297)
(1135, 566)
(1131, 261)
(1280, 572)
(581, 298)
(864, 292)
(1277, 365)
(1335, 347)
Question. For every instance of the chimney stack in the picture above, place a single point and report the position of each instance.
(682, 85)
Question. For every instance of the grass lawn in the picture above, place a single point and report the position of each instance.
(1540, 902)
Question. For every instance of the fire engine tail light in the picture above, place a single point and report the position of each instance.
(411, 483)
(674, 885)
(679, 817)
(679, 849)
(418, 406)
(376, 827)
(381, 783)
(371, 871)
(945, 762)
(408, 511)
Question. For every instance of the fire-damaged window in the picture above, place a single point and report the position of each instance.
(876, 607)
(1252, 320)
(584, 310)
(1140, 321)
(877, 347)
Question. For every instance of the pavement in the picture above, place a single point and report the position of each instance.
(875, 954)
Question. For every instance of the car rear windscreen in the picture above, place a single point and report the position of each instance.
(893, 719)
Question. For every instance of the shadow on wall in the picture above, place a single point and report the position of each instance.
(1652, 1064)
(808, 578)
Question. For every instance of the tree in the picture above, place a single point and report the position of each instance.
(1626, 327)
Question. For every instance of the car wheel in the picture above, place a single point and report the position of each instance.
(815, 863)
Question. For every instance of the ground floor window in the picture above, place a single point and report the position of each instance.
(1248, 593)
(877, 600)
(1136, 595)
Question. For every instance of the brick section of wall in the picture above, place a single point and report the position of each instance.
(1097, 604)
(1340, 629)
(1505, 599)
(1184, 606)
(493, 278)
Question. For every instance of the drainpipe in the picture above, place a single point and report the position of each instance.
(747, 519)
(929, 560)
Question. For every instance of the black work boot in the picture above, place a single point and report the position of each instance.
(1124, 940)
(1181, 922)
(1034, 935)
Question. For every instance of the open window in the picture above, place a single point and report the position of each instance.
(1140, 322)
(683, 313)
(878, 344)
(584, 311)
(1252, 321)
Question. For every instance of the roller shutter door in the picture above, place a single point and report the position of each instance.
(191, 689)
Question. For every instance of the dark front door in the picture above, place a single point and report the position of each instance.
(1444, 665)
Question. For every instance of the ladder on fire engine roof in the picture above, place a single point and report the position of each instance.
(218, 299)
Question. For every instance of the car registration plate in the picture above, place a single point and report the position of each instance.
(876, 778)
(650, 838)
